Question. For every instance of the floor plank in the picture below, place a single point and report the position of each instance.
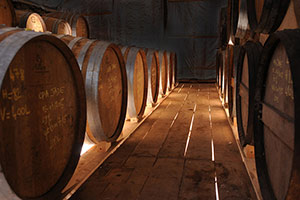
(153, 164)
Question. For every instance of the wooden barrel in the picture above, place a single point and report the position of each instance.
(292, 17)
(242, 24)
(230, 78)
(229, 20)
(233, 77)
(29, 20)
(137, 81)
(277, 140)
(224, 76)
(173, 69)
(103, 70)
(297, 11)
(78, 23)
(43, 113)
(265, 16)
(235, 9)
(168, 71)
(57, 26)
(7, 13)
(223, 36)
(153, 76)
(245, 89)
(163, 62)
(219, 70)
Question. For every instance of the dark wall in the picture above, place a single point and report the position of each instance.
(190, 28)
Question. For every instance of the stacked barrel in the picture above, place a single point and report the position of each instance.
(257, 81)
(57, 89)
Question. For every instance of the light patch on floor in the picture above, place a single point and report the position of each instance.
(190, 131)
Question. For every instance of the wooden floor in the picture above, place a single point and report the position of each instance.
(184, 150)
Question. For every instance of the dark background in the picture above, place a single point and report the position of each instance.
(187, 27)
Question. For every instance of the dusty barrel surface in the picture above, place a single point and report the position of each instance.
(246, 79)
(103, 70)
(265, 16)
(153, 76)
(163, 62)
(57, 26)
(137, 81)
(7, 13)
(29, 20)
(78, 23)
(43, 113)
(277, 140)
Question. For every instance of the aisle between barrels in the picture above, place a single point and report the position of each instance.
(184, 150)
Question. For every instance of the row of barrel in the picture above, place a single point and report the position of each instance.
(257, 82)
(57, 88)
(57, 22)
(243, 19)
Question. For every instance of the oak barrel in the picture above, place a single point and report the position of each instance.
(57, 26)
(297, 10)
(235, 9)
(103, 70)
(223, 34)
(233, 82)
(277, 113)
(137, 81)
(229, 20)
(7, 13)
(173, 69)
(168, 70)
(163, 62)
(153, 75)
(224, 76)
(43, 113)
(230, 78)
(265, 16)
(245, 89)
(219, 64)
(30, 20)
(78, 23)
(242, 23)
